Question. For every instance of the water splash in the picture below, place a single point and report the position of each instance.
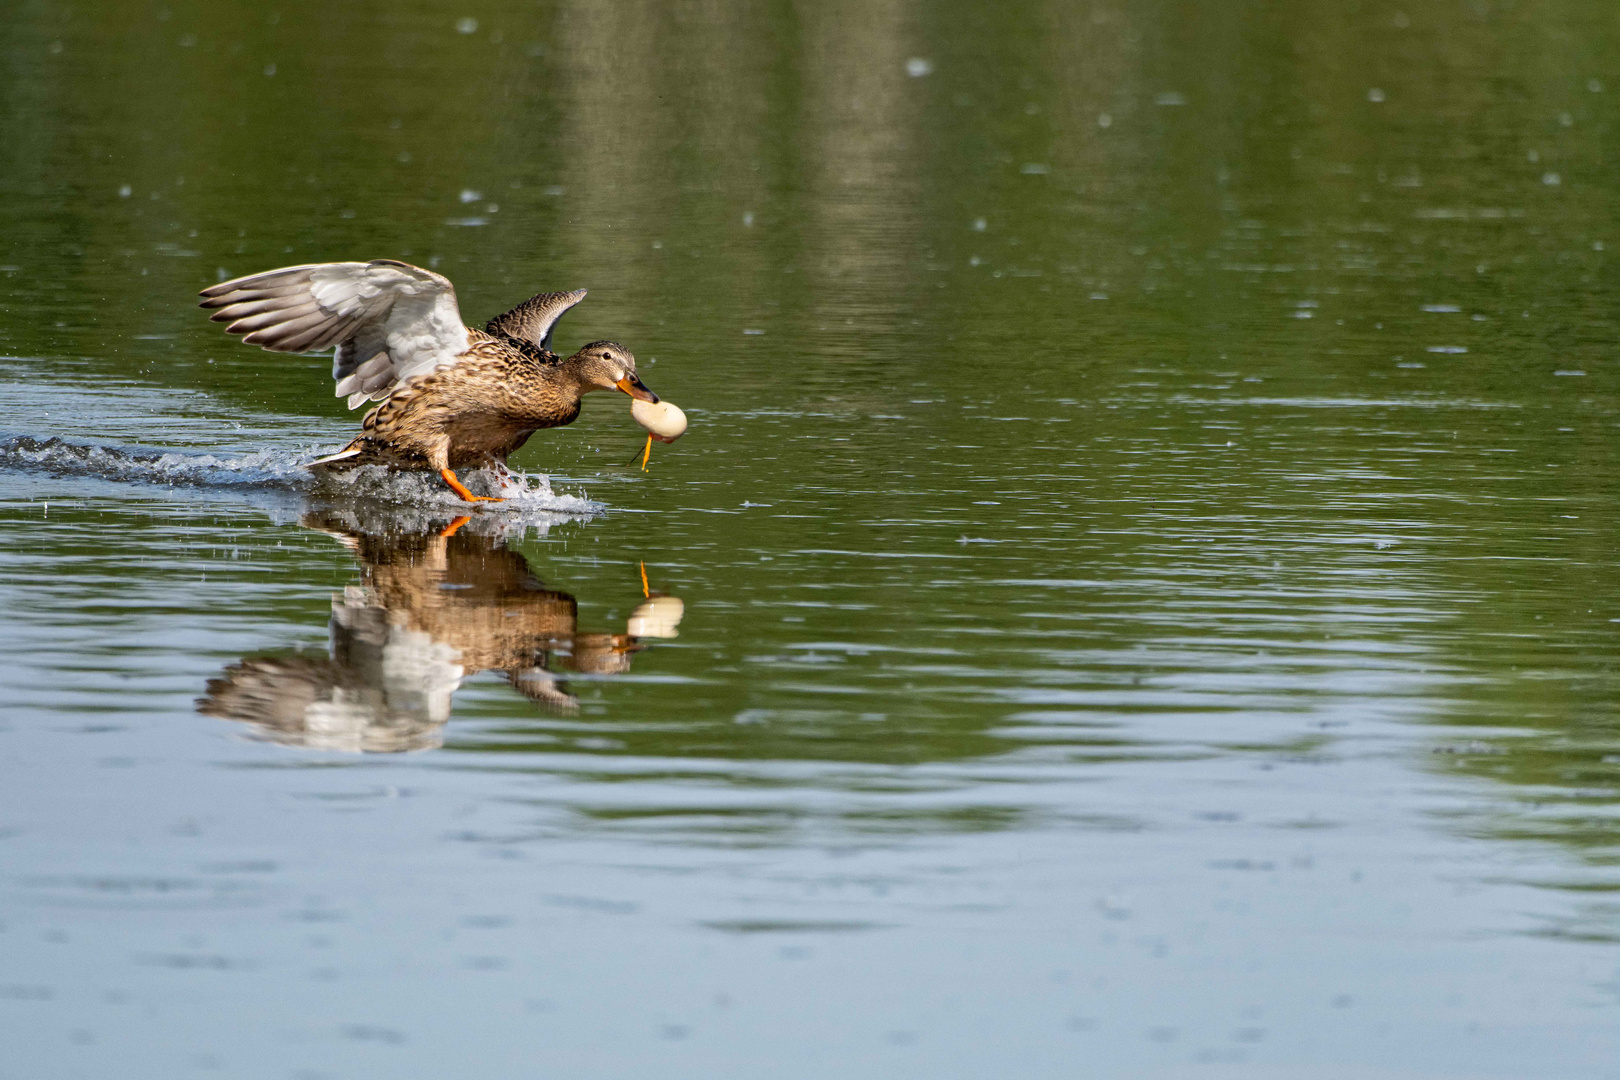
(276, 469)
(522, 492)
(285, 470)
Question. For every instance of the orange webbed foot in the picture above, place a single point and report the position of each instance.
(461, 489)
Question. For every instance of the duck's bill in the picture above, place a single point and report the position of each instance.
(632, 385)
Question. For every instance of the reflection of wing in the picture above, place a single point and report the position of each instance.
(535, 319)
(305, 701)
(389, 320)
(415, 673)
(385, 689)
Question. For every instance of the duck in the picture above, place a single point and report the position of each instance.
(449, 397)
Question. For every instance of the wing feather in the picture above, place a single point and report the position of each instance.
(241, 309)
(273, 319)
(236, 295)
(303, 335)
(389, 320)
(536, 318)
(332, 334)
(369, 376)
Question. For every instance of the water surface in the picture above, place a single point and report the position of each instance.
(1136, 599)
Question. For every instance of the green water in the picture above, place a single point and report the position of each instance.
(1145, 546)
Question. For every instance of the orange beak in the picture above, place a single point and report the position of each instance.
(632, 385)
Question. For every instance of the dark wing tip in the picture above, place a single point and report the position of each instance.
(234, 284)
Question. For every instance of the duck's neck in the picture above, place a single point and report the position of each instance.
(573, 371)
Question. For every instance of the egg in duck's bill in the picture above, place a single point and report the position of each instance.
(663, 420)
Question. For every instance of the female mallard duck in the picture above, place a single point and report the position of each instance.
(452, 397)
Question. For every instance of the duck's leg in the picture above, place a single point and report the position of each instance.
(461, 489)
(439, 458)
(646, 454)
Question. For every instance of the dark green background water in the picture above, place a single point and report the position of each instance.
(1147, 537)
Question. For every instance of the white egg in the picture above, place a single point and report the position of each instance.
(665, 420)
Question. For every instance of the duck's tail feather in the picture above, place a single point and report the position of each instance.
(342, 455)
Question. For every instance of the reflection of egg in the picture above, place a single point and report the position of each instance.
(666, 421)
(657, 617)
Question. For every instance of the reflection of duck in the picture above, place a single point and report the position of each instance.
(452, 397)
(431, 610)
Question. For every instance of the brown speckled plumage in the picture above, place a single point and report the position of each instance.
(474, 413)
(451, 397)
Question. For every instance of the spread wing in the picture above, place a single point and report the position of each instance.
(534, 320)
(388, 320)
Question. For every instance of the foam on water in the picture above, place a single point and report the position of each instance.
(286, 470)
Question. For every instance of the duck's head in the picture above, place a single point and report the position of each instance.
(607, 365)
